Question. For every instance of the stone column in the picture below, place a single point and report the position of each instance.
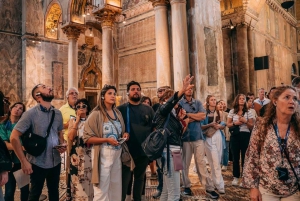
(163, 66)
(73, 33)
(107, 19)
(242, 59)
(180, 42)
(252, 79)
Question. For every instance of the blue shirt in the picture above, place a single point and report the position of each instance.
(194, 131)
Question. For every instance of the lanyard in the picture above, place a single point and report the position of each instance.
(127, 122)
(282, 142)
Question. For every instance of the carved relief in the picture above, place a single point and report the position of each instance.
(52, 20)
(91, 76)
(58, 80)
(106, 17)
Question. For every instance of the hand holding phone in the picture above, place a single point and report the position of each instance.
(121, 140)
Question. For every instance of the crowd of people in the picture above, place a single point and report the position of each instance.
(106, 162)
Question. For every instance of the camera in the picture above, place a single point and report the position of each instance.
(283, 173)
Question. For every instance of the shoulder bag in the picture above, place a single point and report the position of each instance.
(210, 131)
(35, 144)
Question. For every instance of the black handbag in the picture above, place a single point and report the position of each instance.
(234, 129)
(35, 144)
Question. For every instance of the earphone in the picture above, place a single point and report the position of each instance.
(38, 94)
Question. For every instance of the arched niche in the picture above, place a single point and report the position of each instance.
(52, 20)
(91, 76)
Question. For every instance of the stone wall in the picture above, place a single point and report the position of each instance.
(136, 49)
(206, 48)
(11, 49)
(275, 37)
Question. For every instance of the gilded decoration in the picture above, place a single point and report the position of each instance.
(89, 40)
(73, 30)
(77, 11)
(159, 2)
(91, 76)
(52, 20)
(106, 17)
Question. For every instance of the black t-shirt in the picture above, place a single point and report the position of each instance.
(140, 118)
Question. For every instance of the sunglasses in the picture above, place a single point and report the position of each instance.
(81, 106)
(73, 93)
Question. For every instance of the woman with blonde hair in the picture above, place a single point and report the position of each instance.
(272, 165)
(103, 130)
(214, 144)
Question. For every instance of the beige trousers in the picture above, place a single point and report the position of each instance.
(267, 196)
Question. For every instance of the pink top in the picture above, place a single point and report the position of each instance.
(262, 159)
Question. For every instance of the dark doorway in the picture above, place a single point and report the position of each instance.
(92, 98)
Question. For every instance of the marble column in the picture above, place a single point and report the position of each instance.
(242, 59)
(163, 66)
(107, 19)
(252, 79)
(73, 33)
(180, 42)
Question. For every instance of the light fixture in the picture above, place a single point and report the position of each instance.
(91, 31)
(124, 18)
(231, 24)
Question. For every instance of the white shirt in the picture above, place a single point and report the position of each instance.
(262, 102)
(248, 115)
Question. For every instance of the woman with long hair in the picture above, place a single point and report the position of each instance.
(272, 165)
(80, 167)
(6, 126)
(240, 123)
(104, 127)
(215, 144)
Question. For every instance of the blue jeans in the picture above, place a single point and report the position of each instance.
(10, 186)
(171, 180)
(225, 156)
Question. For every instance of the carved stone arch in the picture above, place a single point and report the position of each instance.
(91, 71)
(52, 18)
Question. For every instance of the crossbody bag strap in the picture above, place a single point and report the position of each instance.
(287, 157)
(51, 122)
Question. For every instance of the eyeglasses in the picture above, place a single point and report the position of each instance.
(73, 93)
(81, 106)
(161, 90)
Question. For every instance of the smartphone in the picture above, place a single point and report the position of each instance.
(59, 146)
(121, 140)
(72, 117)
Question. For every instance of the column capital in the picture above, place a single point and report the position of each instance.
(159, 2)
(73, 30)
(106, 17)
(177, 1)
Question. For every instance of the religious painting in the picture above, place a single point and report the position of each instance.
(58, 80)
(77, 11)
(91, 79)
(52, 20)
(89, 40)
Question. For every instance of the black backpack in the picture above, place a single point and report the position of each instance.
(5, 159)
(155, 143)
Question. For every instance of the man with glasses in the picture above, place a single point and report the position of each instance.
(193, 143)
(68, 109)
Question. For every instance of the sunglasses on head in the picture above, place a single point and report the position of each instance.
(81, 106)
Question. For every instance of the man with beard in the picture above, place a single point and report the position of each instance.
(47, 165)
(138, 120)
(68, 109)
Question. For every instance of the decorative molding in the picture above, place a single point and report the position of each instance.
(73, 30)
(159, 2)
(286, 15)
(135, 11)
(106, 17)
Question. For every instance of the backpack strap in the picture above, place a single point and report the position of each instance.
(51, 122)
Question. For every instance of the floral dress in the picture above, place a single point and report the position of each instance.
(81, 188)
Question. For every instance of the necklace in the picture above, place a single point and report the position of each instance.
(109, 117)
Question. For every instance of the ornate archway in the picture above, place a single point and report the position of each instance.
(52, 18)
(91, 76)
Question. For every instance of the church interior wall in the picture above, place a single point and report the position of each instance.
(274, 37)
(11, 49)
